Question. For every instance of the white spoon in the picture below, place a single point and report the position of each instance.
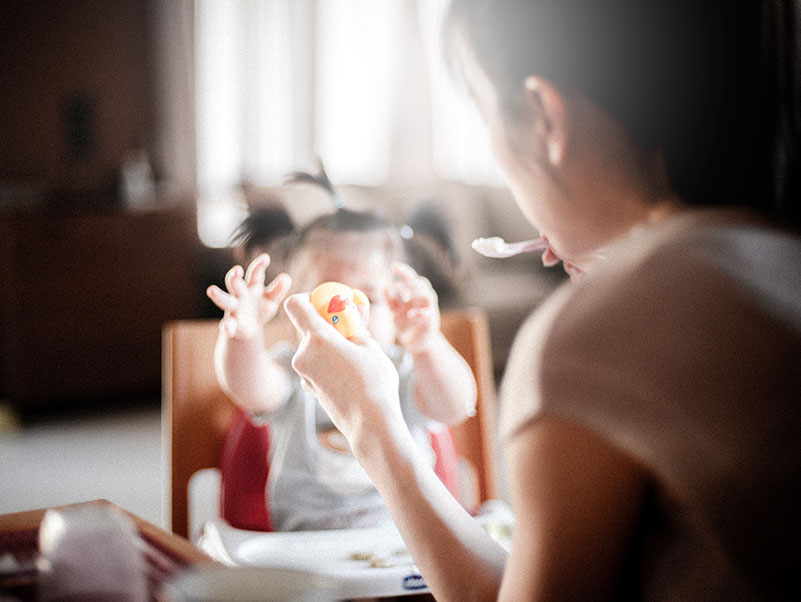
(495, 246)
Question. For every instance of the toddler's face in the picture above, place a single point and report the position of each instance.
(359, 262)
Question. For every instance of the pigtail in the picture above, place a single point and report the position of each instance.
(266, 229)
(320, 180)
(342, 219)
(262, 226)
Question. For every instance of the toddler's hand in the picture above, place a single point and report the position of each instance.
(248, 305)
(414, 307)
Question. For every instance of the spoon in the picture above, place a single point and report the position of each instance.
(495, 246)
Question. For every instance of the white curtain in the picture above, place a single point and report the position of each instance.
(460, 141)
(359, 83)
(172, 32)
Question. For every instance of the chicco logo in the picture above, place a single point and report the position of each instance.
(414, 582)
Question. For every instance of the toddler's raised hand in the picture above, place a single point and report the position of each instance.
(247, 304)
(415, 309)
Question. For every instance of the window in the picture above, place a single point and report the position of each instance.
(358, 82)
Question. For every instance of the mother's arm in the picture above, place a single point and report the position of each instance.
(358, 386)
(577, 498)
(580, 500)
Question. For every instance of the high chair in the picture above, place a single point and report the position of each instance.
(197, 417)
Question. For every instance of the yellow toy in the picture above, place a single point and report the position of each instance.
(339, 304)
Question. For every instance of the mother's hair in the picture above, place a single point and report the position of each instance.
(712, 83)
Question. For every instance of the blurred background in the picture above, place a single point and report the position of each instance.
(137, 134)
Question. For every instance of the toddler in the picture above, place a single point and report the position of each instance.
(314, 481)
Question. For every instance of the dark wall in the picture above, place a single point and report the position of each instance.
(75, 90)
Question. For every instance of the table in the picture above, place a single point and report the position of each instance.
(166, 554)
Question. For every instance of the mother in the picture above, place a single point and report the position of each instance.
(650, 410)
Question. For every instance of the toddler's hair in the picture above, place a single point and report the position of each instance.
(261, 228)
(343, 220)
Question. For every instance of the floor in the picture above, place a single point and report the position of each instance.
(114, 454)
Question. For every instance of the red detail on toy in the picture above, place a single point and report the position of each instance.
(336, 304)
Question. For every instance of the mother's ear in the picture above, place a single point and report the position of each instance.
(548, 106)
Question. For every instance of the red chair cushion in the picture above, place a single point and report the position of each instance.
(244, 470)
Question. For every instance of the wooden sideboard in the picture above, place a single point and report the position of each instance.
(83, 299)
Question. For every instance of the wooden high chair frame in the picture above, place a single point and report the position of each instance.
(196, 414)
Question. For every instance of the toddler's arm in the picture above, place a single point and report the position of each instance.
(241, 362)
(445, 389)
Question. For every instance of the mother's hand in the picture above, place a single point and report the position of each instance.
(354, 380)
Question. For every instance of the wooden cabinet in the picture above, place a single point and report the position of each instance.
(83, 299)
